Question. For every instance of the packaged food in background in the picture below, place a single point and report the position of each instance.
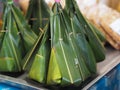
(84, 5)
(115, 4)
(110, 23)
(105, 18)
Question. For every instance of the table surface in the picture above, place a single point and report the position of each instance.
(112, 59)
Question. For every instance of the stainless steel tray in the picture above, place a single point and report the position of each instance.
(18, 83)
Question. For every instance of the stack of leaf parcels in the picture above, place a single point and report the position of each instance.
(16, 38)
(68, 50)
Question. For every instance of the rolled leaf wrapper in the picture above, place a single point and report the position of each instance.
(39, 67)
(11, 47)
(54, 74)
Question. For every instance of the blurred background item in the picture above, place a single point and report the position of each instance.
(105, 15)
(24, 5)
(115, 4)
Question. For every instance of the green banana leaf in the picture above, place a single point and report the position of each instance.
(71, 66)
(27, 35)
(82, 45)
(15, 37)
(38, 14)
(27, 60)
(11, 48)
(54, 74)
(100, 35)
(93, 40)
(39, 67)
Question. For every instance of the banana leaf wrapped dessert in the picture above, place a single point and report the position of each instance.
(93, 40)
(38, 16)
(39, 67)
(16, 38)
